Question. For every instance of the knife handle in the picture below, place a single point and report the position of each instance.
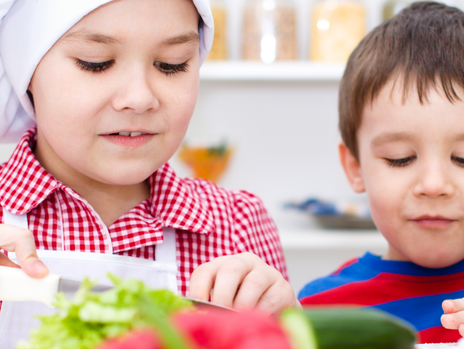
(16, 285)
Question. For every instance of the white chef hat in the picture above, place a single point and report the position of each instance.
(28, 29)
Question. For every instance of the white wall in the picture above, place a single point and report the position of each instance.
(285, 133)
(285, 138)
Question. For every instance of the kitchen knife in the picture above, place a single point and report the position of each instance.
(16, 285)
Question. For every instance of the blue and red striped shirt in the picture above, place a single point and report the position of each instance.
(404, 289)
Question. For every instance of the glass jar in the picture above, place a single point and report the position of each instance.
(207, 159)
(337, 27)
(269, 30)
(219, 49)
(392, 7)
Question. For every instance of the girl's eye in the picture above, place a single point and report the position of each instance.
(400, 162)
(171, 69)
(94, 67)
(459, 161)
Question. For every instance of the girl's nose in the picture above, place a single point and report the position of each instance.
(434, 181)
(136, 95)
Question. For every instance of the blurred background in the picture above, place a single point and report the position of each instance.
(266, 121)
(270, 91)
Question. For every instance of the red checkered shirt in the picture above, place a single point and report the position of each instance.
(209, 221)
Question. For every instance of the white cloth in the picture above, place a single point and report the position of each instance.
(28, 29)
(18, 318)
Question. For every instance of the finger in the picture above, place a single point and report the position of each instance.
(27, 256)
(253, 287)
(202, 281)
(453, 305)
(278, 297)
(21, 241)
(452, 321)
(461, 330)
(228, 280)
(6, 262)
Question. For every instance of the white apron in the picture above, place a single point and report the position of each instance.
(17, 318)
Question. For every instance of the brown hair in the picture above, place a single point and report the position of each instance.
(423, 46)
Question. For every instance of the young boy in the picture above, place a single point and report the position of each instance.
(112, 86)
(402, 124)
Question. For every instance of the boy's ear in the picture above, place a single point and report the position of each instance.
(352, 168)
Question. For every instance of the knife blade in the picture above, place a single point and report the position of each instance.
(16, 285)
(70, 286)
(205, 305)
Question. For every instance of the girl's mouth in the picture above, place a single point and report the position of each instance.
(128, 134)
(129, 139)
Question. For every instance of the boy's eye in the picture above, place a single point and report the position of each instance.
(459, 161)
(94, 67)
(400, 162)
(171, 69)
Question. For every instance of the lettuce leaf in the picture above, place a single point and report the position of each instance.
(90, 318)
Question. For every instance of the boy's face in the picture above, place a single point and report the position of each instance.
(129, 67)
(411, 164)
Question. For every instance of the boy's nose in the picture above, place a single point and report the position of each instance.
(434, 181)
(136, 95)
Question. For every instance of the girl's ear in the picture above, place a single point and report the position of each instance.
(31, 98)
(352, 168)
(29, 93)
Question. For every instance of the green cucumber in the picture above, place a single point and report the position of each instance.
(346, 328)
(299, 329)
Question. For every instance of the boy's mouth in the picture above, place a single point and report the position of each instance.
(433, 221)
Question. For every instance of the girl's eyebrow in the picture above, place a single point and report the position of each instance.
(90, 37)
(190, 38)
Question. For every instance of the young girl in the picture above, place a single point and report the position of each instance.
(112, 86)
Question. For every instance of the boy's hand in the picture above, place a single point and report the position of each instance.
(454, 317)
(21, 241)
(242, 281)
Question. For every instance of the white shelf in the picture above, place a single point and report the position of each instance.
(325, 239)
(278, 71)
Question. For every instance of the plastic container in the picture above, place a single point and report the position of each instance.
(219, 49)
(269, 31)
(337, 27)
(393, 7)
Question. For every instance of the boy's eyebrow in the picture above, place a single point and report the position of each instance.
(391, 137)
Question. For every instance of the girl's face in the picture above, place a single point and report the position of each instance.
(114, 96)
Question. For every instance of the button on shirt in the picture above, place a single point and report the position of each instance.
(209, 221)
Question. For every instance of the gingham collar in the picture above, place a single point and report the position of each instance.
(24, 184)
(177, 205)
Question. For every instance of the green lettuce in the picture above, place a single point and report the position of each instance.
(90, 317)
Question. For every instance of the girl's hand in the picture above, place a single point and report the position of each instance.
(453, 319)
(21, 241)
(242, 281)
